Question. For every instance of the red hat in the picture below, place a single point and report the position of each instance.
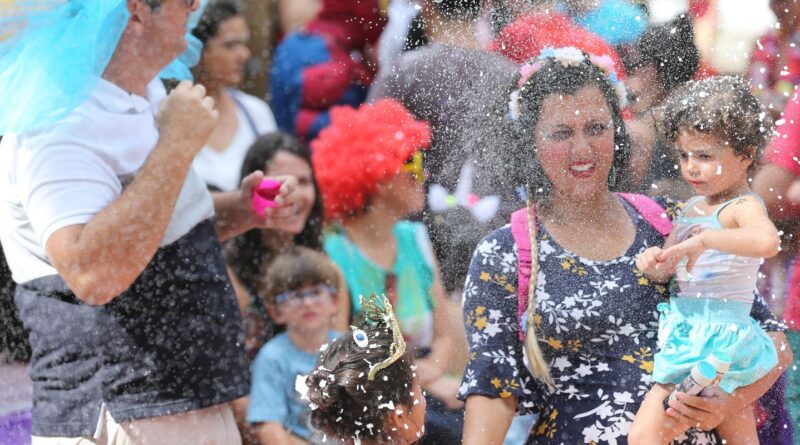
(362, 148)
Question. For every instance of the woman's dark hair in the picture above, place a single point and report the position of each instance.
(248, 253)
(346, 403)
(297, 267)
(458, 9)
(669, 48)
(216, 12)
(721, 106)
(505, 148)
(464, 10)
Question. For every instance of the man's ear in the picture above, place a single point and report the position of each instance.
(139, 11)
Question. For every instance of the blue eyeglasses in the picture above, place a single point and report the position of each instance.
(294, 298)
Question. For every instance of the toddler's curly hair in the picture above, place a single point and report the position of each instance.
(722, 106)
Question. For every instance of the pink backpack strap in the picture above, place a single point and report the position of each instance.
(519, 229)
(653, 213)
(650, 210)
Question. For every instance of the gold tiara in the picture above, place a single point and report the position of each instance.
(377, 311)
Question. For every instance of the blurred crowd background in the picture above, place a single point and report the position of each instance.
(276, 67)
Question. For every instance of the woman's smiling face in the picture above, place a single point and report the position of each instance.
(575, 142)
(285, 163)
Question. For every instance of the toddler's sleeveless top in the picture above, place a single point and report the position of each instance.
(716, 274)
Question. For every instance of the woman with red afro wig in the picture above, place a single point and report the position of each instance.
(368, 163)
(361, 149)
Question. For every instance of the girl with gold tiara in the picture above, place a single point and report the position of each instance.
(364, 390)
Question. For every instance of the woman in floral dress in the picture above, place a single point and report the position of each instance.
(595, 318)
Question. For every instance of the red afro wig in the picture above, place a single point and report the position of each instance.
(362, 148)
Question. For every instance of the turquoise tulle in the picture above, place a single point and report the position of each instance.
(57, 52)
(690, 329)
(180, 68)
(53, 63)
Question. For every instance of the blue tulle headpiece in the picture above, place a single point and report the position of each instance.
(56, 52)
(180, 68)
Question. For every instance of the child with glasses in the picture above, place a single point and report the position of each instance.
(299, 288)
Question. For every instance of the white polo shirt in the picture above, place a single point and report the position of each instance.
(65, 174)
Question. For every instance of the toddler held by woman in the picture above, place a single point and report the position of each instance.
(714, 251)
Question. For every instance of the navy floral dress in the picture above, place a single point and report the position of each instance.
(597, 324)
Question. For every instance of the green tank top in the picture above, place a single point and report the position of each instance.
(412, 271)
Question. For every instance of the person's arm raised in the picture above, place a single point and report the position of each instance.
(100, 259)
(486, 420)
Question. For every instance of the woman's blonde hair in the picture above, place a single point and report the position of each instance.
(540, 368)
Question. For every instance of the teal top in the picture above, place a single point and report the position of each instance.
(412, 271)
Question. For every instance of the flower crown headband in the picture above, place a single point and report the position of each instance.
(568, 56)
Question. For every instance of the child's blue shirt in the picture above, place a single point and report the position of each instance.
(272, 394)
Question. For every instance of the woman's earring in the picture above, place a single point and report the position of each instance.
(612, 176)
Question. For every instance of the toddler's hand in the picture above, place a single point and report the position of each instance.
(648, 262)
(690, 249)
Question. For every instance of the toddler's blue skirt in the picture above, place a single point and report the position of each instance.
(690, 329)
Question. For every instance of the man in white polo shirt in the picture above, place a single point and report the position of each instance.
(114, 241)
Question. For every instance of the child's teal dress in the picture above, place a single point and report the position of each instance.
(710, 311)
